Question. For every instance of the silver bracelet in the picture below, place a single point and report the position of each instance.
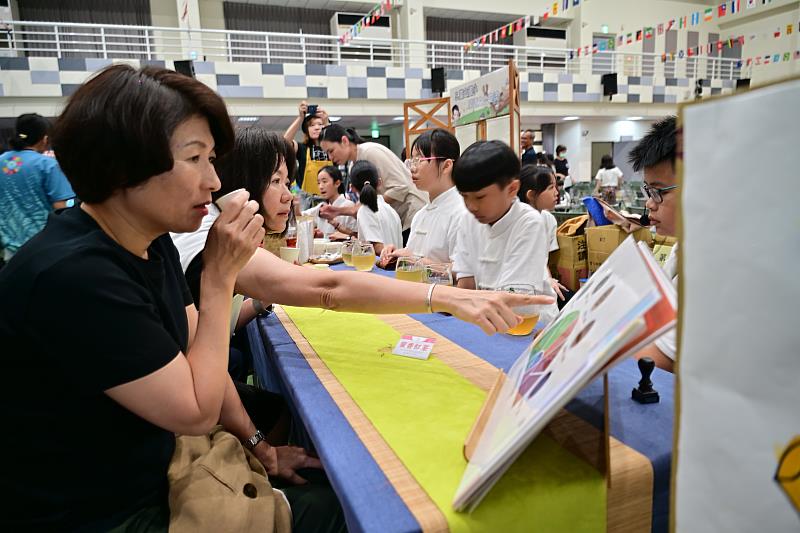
(429, 297)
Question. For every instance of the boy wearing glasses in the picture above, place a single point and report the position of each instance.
(504, 240)
(655, 154)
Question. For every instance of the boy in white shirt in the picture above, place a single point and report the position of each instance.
(434, 228)
(655, 154)
(331, 188)
(504, 240)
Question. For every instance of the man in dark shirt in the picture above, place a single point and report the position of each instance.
(526, 144)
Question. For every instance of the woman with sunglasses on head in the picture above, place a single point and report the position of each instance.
(344, 147)
(435, 226)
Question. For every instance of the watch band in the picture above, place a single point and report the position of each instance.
(253, 441)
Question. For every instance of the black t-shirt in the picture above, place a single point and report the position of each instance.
(79, 315)
(317, 154)
(562, 166)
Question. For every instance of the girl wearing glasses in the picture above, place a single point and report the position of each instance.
(434, 227)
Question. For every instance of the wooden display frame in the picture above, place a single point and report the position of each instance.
(424, 116)
(513, 110)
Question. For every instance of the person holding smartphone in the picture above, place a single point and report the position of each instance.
(311, 158)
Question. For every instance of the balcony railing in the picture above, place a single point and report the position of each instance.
(50, 39)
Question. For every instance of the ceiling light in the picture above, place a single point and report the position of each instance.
(334, 119)
(399, 118)
(247, 119)
(634, 118)
(570, 118)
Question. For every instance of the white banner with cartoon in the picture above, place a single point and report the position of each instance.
(486, 97)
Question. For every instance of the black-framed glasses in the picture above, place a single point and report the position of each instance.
(656, 193)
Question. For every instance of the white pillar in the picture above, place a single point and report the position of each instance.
(408, 22)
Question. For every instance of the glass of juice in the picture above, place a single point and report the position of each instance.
(410, 268)
(347, 252)
(439, 274)
(363, 256)
(529, 313)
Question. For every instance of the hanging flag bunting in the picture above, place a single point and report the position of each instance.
(681, 22)
(638, 35)
(576, 3)
(695, 18)
(670, 24)
(648, 33)
(504, 31)
(722, 10)
(777, 33)
(751, 4)
(735, 6)
(620, 40)
(661, 29)
(555, 8)
(789, 28)
(366, 21)
(776, 58)
(630, 38)
(545, 15)
(708, 14)
(787, 56)
(564, 5)
(595, 48)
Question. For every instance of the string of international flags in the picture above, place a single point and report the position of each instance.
(648, 32)
(379, 10)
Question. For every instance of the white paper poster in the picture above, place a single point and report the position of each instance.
(486, 97)
(738, 440)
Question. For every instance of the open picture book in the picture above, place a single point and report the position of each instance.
(626, 304)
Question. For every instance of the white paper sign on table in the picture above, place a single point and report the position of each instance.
(413, 346)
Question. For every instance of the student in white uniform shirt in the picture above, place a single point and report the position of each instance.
(378, 223)
(504, 240)
(331, 188)
(655, 155)
(434, 229)
(538, 189)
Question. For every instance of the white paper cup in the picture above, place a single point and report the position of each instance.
(222, 200)
(289, 254)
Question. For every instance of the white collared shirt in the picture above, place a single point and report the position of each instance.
(434, 229)
(667, 342)
(383, 226)
(512, 250)
(326, 227)
(550, 227)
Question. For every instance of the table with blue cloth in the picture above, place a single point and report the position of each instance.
(370, 501)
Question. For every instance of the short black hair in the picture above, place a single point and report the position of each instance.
(257, 154)
(485, 163)
(335, 174)
(364, 178)
(29, 129)
(560, 148)
(607, 162)
(115, 130)
(657, 146)
(437, 143)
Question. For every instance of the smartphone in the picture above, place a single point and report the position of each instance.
(312, 109)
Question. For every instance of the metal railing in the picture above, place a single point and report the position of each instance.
(51, 39)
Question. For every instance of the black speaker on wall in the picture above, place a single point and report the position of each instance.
(743, 83)
(609, 82)
(185, 67)
(437, 80)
